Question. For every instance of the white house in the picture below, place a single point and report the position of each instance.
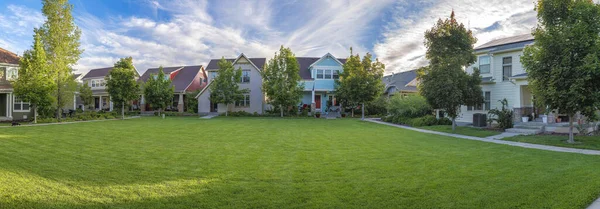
(503, 77)
(252, 102)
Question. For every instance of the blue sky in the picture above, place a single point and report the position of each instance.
(190, 32)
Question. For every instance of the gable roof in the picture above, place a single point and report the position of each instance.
(166, 70)
(257, 62)
(8, 57)
(324, 57)
(401, 80)
(306, 62)
(525, 38)
(182, 80)
(99, 72)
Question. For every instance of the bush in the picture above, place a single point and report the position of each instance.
(504, 117)
(377, 107)
(412, 106)
(444, 121)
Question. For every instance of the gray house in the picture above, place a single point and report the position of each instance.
(95, 78)
(253, 101)
(11, 107)
(404, 83)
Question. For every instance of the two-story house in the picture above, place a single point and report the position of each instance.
(251, 80)
(503, 77)
(318, 76)
(184, 79)
(11, 107)
(96, 79)
(403, 83)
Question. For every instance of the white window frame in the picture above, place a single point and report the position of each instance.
(509, 65)
(242, 79)
(322, 74)
(328, 73)
(21, 103)
(212, 75)
(98, 83)
(246, 101)
(15, 73)
(487, 102)
(488, 64)
(334, 73)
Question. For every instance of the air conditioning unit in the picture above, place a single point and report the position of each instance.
(479, 120)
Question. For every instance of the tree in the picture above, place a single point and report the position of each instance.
(360, 82)
(85, 93)
(280, 80)
(158, 90)
(34, 83)
(444, 83)
(225, 89)
(121, 84)
(563, 65)
(61, 42)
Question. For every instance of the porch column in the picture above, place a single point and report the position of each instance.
(143, 104)
(111, 104)
(100, 103)
(9, 105)
(180, 103)
(312, 103)
(74, 101)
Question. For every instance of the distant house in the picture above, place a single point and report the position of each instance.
(503, 77)
(95, 78)
(11, 107)
(403, 83)
(318, 76)
(184, 79)
(252, 102)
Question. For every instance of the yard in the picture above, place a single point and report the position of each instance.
(468, 131)
(581, 142)
(279, 163)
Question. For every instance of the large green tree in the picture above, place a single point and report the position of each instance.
(281, 78)
(86, 95)
(121, 84)
(34, 83)
(158, 90)
(563, 65)
(360, 82)
(444, 83)
(224, 88)
(61, 40)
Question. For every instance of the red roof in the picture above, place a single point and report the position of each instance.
(8, 57)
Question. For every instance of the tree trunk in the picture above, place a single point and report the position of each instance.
(353, 112)
(34, 114)
(226, 110)
(58, 116)
(362, 106)
(454, 124)
(281, 110)
(123, 110)
(571, 138)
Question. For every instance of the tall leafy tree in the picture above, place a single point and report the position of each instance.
(280, 80)
(85, 93)
(444, 83)
(360, 82)
(121, 84)
(563, 65)
(34, 83)
(225, 89)
(61, 42)
(158, 90)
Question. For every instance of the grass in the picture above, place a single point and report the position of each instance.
(279, 163)
(468, 131)
(581, 142)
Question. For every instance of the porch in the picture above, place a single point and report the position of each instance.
(320, 101)
(5, 106)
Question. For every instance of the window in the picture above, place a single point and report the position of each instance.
(320, 74)
(336, 74)
(12, 73)
(98, 83)
(327, 74)
(246, 76)
(19, 105)
(487, 97)
(212, 75)
(506, 68)
(2, 72)
(484, 64)
(244, 102)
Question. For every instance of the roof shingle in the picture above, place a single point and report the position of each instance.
(100, 72)
(8, 57)
(505, 41)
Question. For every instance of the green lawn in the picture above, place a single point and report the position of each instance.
(582, 142)
(279, 163)
(468, 131)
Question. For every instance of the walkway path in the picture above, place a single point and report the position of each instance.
(72, 122)
(495, 140)
(209, 116)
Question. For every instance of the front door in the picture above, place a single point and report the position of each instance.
(3, 107)
(96, 102)
(318, 101)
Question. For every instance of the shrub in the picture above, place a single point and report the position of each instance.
(444, 121)
(377, 106)
(504, 117)
(412, 106)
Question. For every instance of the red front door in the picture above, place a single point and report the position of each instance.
(318, 101)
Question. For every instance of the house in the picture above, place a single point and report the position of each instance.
(318, 76)
(184, 79)
(252, 102)
(503, 77)
(11, 107)
(403, 83)
(95, 78)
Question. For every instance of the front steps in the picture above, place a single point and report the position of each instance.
(529, 128)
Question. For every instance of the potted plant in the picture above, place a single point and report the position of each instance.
(343, 115)
(318, 114)
(525, 118)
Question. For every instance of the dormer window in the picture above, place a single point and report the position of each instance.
(98, 83)
(336, 74)
(327, 74)
(319, 74)
(484, 64)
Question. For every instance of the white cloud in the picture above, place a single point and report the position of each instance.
(402, 46)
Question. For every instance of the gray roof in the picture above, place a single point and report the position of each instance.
(100, 72)
(182, 79)
(513, 40)
(520, 75)
(214, 63)
(305, 62)
(399, 80)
